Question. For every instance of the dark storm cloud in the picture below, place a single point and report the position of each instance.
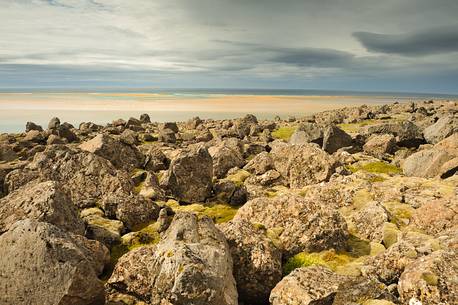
(433, 41)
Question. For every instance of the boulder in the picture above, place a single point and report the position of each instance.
(307, 286)
(170, 125)
(297, 223)
(65, 132)
(41, 264)
(54, 123)
(260, 164)
(193, 123)
(379, 145)
(243, 125)
(128, 137)
(257, 262)
(133, 122)
(55, 140)
(155, 160)
(335, 138)
(121, 155)
(34, 136)
(87, 177)
(425, 163)
(189, 178)
(144, 118)
(431, 279)
(45, 202)
(359, 290)
(443, 128)
(7, 153)
(225, 158)
(107, 231)
(307, 133)
(303, 164)
(190, 265)
(167, 136)
(407, 134)
(32, 126)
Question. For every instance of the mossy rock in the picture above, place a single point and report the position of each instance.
(390, 234)
(274, 235)
(430, 278)
(400, 213)
(219, 212)
(355, 127)
(284, 133)
(329, 258)
(239, 177)
(376, 167)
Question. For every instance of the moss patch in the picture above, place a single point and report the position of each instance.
(430, 278)
(239, 177)
(328, 258)
(377, 167)
(400, 213)
(217, 211)
(284, 133)
(355, 127)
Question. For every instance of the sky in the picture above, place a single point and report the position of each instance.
(356, 45)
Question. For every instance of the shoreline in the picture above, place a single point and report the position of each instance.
(102, 108)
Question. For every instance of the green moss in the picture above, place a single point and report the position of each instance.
(355, 127)
(377, 167)
(259, 226)
(430, 278)
(219, 212)
(400, 213)
(328, 258)
(302, 260)
(274, 235)
(139, 187)
(239, 177)
(390, 234)
(358, 247)
(284, 133)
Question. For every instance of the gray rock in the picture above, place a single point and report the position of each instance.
(32, 126)
(189, 178)
(7, 153)
(380, 145)
(407, 133)
(144, 118)
(443, 128)
(121, 155)
(54, 123)
(45, 202)
(257, 262)
(170, 125)
(307, 133)
(225, 158)
(335, 138)
(190, 265)
(41, 264)
(260, 164)
(298, 224)
(307, 286)
(425, 163)
(167, 135)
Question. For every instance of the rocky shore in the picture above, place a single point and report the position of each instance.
(357, 205)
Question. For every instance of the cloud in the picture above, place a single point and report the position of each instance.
(426, 42)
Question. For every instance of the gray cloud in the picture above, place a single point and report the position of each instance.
(432, 41)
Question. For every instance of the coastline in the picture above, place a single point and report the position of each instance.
(18, 108)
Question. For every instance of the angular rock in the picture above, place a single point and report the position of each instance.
(380, 145)
(45, 202)
(431, 279)
(303, 164)
(32, 126)
(307, 286)
(167, 136)
(189, 178)
(443, 128)
(170, 125)
(121, 155)
(335, 138)
(260, 164)
(144, 118)
(407, 133)
(54, 123)
(257, 262)
(225, 158)
(299, 224)
(425, 163)
(307, 133)
(41, 264)
(7, 153)
(190, 265)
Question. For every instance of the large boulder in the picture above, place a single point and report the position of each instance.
(257, 262)
(225, 158)
(307, 133)
(44, 201)
(90, 180)
(335, 138)
(260, 164)
(379, 145)
(431, 279)
(121, 155)
(189, 178)
(155, 160)
(190, 265)
(7, 153)
(297, 223)
(42, 264)
(443, 128)
(303, 164)
(426, 163)
(407, 134)
(307, 286)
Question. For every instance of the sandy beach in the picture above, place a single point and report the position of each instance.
(18, 108)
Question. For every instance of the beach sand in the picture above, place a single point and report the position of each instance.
(18, 108)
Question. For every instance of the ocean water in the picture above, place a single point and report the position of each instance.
(103, 105)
